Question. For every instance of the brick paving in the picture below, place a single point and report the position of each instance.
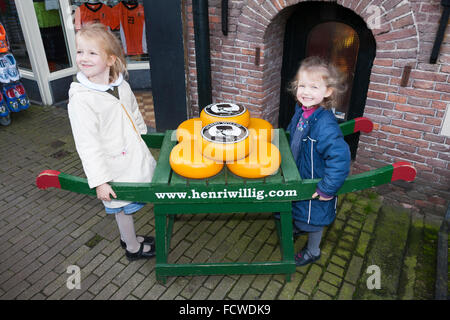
(44, 232)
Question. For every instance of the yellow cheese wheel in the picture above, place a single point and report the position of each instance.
(225, 112)
(189, 129)
(260, 129)
(225, 141)
(261, 162)
(187, 160)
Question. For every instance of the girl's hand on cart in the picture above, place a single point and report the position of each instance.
(104, 191)
(321, 198)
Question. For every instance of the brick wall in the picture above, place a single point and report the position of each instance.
(407, 119)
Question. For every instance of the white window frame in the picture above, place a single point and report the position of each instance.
(36, 52)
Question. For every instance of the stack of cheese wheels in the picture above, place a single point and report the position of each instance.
(225, 112)
(260, 129)
(225, 133)
(264, 160)
(187, 160)
(189, 129)
(225, 141)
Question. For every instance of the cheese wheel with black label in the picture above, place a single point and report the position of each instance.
(189, 129)
(264, 160)
(225, 141)
(187, 160)
(260, 129)
(225, 112)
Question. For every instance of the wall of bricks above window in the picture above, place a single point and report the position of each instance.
(407, 120)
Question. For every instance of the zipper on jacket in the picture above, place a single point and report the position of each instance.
(312, 175)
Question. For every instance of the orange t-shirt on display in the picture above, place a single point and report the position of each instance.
(97, 12)
(132, 27)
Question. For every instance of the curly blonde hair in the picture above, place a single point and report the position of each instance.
(332, 76)
(110, 44)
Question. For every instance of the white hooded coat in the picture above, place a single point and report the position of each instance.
(107, 133)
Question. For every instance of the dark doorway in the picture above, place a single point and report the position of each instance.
(337, 33)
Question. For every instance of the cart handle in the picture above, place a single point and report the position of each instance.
(138, 191)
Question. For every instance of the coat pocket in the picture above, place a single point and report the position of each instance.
(118, 161)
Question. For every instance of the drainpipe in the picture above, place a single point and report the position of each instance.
(441, 31)
(202, 52)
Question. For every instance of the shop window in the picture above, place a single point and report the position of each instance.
(10, 21)
(125, 18)
(339, 43)
(53, 37)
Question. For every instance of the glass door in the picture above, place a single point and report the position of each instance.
(49, 37)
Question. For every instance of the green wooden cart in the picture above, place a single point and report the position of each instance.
(173, 195)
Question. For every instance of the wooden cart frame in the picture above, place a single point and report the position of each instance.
(172, 195)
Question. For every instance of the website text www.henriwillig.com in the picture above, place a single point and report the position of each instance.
(241, 193)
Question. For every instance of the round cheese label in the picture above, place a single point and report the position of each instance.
(224, 132)
(225, 110)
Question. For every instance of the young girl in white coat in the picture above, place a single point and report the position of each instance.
(107, 126)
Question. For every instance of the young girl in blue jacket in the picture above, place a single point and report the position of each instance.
(319, 149)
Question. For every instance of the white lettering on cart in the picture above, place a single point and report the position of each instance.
(241, 193)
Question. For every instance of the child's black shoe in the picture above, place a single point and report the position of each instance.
(140, 254)
(305, 257)
(147, 240)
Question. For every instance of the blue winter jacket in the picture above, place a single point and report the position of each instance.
(323, 154)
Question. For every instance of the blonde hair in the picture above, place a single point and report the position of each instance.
(110, 44)
(332, 76)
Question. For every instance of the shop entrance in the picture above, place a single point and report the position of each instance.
(336, 33)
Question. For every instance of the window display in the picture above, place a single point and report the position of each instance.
(15, 38)
(125, 18)
(13, 97)
(50, 25)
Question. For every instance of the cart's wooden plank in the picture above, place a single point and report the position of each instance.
(234, 179)
(268, 267)
(220, 206)
(176, 179)
(153, 140)
(253, 181)
(197, 182)
(162, 170)
(288, 167)
(219, 178)
(275, 178)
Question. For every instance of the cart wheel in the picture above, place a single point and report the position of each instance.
(5, 121)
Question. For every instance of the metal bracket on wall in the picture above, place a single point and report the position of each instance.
(225, 17)
(441, 31)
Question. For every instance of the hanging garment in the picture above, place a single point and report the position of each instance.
(3, 40)
(132, 27)
(96, 12)
(51, 5)
(46, 18)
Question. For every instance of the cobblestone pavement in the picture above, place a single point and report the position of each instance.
(44, 232)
